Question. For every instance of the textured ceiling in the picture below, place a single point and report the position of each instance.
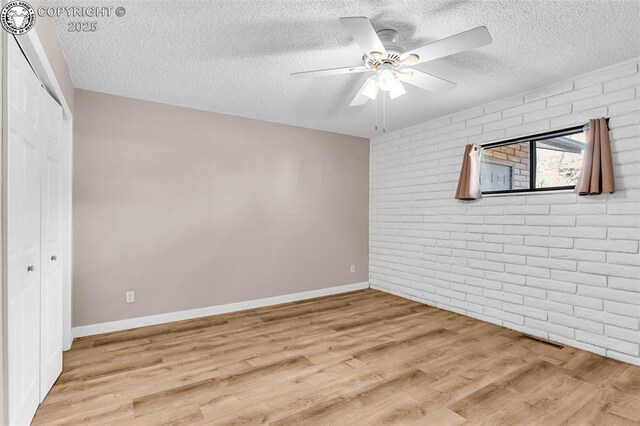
(235, 57)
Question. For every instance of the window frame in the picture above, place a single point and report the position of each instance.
(531, 140)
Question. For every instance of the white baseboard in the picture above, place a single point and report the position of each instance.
(106, 327)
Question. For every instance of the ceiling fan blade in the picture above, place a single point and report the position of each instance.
(363, 33)
(361, 98)
(331, 71)
(467, 40)
(425, 81)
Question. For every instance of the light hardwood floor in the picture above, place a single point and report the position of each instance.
(358, 358)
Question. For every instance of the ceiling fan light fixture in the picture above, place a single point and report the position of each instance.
(370, 89)
(396, 89)
(376, 55)
(385, 79)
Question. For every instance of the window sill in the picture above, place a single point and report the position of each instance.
(511, 194)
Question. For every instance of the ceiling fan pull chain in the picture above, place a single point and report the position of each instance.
(376, 126)
(384, 112)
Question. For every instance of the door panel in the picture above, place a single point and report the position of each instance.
(23, 238)
(51, 245)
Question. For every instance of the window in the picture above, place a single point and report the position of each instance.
(543, 162)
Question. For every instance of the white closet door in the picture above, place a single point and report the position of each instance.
(23, 238)
(51, 335)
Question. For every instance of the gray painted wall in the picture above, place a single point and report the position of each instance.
(192, 209)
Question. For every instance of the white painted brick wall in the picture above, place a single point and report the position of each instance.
(554, 265)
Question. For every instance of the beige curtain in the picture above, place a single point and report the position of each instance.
(596, 175)
(469, 182)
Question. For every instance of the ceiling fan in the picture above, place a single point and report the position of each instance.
(389, 61)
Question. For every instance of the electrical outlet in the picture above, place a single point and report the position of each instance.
(353, 268)
(131, 297)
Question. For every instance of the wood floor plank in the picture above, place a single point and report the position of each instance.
(357, 358)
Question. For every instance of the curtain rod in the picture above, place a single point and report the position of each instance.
(531, 137)
(586, 126)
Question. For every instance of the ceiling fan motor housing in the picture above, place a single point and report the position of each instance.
(389, 39)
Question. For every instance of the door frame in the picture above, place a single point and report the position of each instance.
(35, 54)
